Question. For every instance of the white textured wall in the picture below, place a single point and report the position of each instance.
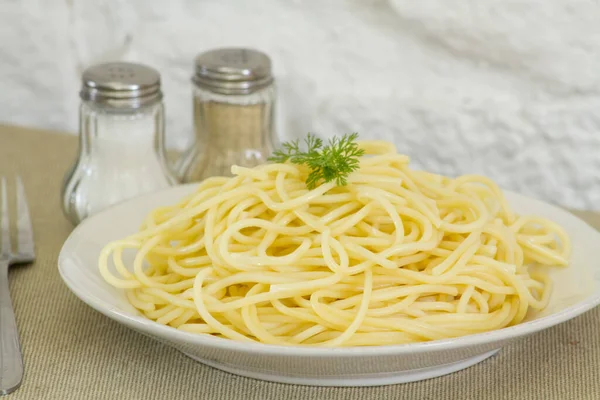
(506, 88)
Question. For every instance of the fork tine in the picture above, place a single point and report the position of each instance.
(5, 249)
(24, 228)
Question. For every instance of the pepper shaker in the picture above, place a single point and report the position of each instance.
(121, 139)
(233, 108)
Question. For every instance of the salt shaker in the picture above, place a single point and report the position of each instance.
(121, 139)
(233, 106)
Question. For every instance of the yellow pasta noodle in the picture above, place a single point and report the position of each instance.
(395, 256)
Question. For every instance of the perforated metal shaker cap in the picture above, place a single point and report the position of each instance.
(233, 70)
(121, 85)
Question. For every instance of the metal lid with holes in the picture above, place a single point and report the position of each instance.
(233, 70)
(121, 85)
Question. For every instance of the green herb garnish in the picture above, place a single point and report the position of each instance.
(335, 161)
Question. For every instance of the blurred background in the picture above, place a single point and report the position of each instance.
(506, 88)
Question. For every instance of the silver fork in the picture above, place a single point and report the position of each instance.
(11, 359)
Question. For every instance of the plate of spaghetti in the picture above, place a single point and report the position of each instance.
(335, 264)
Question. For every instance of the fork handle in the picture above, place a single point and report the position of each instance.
(11, 360)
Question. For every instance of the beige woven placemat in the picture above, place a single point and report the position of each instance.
(73, 352)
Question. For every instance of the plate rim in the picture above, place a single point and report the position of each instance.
(155, 329)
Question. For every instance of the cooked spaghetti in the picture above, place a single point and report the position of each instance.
(394, 256)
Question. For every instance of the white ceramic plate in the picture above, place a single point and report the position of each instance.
(576, 290)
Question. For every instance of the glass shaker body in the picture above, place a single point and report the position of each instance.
(121, 155)
(229, 130)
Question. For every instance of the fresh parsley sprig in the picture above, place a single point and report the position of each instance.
(334, 161)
